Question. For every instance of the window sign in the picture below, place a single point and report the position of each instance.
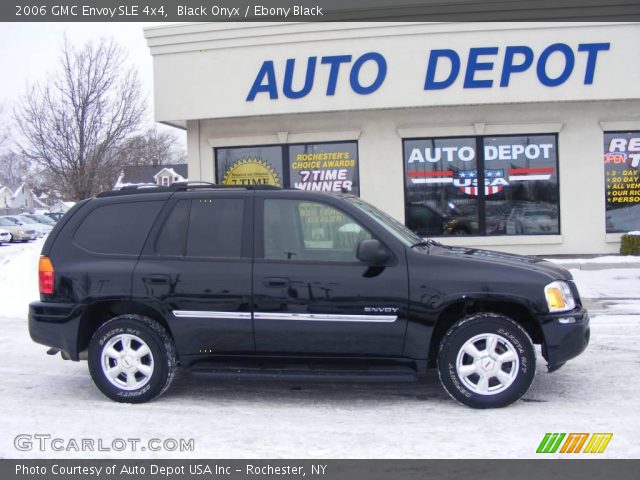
(318, 167)
(622, 181)
(521, 196)
(324, 167)
(504, 185)
(249, 166)
(440, 180)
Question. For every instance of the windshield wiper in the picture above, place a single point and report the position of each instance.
(428, 243)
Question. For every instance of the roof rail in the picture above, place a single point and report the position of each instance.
(180, 187)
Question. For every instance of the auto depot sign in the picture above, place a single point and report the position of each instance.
(477, 67)
(363, 67)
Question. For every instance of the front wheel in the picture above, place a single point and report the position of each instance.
(486, 361)
(132, 359)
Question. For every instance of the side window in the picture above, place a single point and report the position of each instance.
(119, 228)
(173, 236)
(215, 228)
(310, 231)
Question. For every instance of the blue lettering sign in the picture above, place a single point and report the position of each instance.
(430, 82)
(569, 61)
(510, 67)
(334, 61)
(444, 67)
(474, 65)
(266, 72)
(354, 79)
(287, 87)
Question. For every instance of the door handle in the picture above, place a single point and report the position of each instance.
(157, 279)
(276, 282)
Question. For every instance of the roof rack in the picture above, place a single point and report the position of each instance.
(180, 187)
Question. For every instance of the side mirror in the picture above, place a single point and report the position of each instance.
(372, 252)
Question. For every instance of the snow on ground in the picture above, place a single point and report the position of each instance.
(596, 392)
(605, 259)
(614, 283)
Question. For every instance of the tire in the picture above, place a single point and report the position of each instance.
(481, 378)
(144, 374)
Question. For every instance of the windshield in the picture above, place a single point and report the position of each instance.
(6, 223)
(393, 226)
(26, 220)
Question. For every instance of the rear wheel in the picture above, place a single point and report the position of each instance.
(132, 359)
(486, 361)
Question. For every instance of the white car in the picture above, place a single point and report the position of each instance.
(5, 237)
(21, 220)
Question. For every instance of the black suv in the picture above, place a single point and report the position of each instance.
(262, 280)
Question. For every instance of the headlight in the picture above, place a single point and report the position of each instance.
(20, 232)
(559, 297)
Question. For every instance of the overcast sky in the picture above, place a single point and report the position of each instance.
(31, 50)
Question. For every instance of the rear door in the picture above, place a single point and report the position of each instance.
(196, 269)
(312, 296)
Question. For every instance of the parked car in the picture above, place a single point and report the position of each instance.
(533, 220)
(41, 219)
(18, 233)
(5, 236)
(55, 216)
(261, 280)
(22, 220)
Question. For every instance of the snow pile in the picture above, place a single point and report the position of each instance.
(19, 278)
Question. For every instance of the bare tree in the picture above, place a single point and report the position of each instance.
(153, 147)
(3, 130)
(13, 169)
(72, 124)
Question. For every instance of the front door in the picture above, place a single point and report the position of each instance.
(312, 295)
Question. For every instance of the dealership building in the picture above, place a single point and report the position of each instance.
(521, 137)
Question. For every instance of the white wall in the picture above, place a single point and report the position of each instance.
(207, 70)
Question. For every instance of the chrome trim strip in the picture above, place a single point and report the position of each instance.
(322, 317)
(210, 314)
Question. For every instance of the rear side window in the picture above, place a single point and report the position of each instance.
(173, 236)
(118, 229)
(207, 227)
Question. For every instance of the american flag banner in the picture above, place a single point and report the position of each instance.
(467, 180)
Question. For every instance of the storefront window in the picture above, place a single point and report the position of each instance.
(322, 167)
(519, 175)
(622, 181)
(249, 166)
(440, 180)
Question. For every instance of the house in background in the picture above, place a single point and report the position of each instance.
(5, 197)
(19, 199)
(163, 175)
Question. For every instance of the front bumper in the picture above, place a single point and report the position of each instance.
(21, 237)
(566, 335)
(56, 325)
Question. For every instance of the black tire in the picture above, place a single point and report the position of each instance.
(510, 338)
(161, 361)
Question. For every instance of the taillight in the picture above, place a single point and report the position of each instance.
(45, 275)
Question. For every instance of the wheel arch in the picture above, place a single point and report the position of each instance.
(99, 312)
(463, 307)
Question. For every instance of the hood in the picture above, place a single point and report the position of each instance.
(501, 258)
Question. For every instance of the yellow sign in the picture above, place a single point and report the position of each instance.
(251, 171)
